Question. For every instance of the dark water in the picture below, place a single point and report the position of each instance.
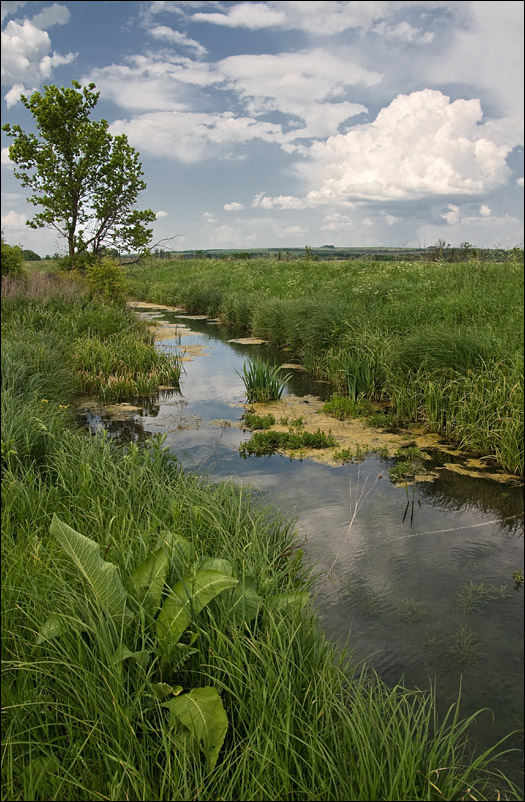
(395, 564)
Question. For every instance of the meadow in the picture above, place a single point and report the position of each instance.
(440, 343)
(91, 696)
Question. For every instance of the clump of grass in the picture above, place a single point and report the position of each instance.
(404, 469)
(466, 647)
(263, 382)
(389, 421)
(412, 611)
(473, 597)
(343, 407)
(253, 421)
(344, 455)
(266, 443)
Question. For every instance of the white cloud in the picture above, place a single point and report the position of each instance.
(519, 181)
(291, 231)
(209, 217)
(6, 161)
(153, 83)
(418, 146)
(403, 32)
(13, 96)
(191, 137)
(483, 232)
(305, 84)
(453, 215)
(485, 211)
(13, 220)
(51, 15)
(161, 214)
(233, 207)
(245, 15)
(337, 222)
(25, 53)
(279, 202)
(10, 6)
(485, 50)
(177, 38)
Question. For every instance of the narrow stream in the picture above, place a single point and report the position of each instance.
(418, 578)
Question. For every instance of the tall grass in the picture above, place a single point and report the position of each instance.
(79, 724)
(263, 382)
(439, 342)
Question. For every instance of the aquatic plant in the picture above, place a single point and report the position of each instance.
(262, 381)
(473, 597)
(253, 421)
(412, 611)
(466, 647)
(266, 443)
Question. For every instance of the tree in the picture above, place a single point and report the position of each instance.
(86, 180)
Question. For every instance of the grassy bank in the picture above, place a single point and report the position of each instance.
(441, 343)
(83, 719)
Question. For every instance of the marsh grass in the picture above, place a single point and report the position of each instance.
(474, 596)
(263, 382)
(443, 345)
(266, 443)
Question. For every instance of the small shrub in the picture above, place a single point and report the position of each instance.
(106, 280)
(253, 421)
(12, 260)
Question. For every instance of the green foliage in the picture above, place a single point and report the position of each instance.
(253, 421)
(12, 260)
(163, 615)
(86, 180)
(343, 407)
(265, 443)
(473, 597)
(263, 382)
(106, 280)
(30, 256)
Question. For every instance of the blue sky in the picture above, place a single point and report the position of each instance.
(285, 124)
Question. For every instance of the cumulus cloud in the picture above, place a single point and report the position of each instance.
(161, 214)
(52, 15)
(485, 211)
(209, 217)
(291, 231)
(26, 53)
(10, 6)
(452, 216)
(307, 85)
(337, 222)
(403, 32)
(519, 181)
(192, 136)
(420, 145)
(13, 96)
(233, 207)
(6, 161)
(177, 38)
(278, 202)
(13, 220)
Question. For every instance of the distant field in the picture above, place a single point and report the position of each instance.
(441, 342)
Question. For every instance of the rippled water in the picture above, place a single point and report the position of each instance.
(396, 565)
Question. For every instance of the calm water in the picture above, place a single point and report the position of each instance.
(389, 574)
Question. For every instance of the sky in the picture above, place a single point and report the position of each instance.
(290, 124)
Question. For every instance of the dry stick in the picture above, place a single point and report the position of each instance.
(359, 501)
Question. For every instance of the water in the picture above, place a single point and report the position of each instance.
(391, 560)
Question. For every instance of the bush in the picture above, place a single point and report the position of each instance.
(12, 260)
(106, 280)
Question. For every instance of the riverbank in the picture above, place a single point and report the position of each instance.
(302, 724)
(441, 344)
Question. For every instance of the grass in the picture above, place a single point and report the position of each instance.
(303, 724)
(442, 345)
(253, 421)
(473, 597)
(263, 382)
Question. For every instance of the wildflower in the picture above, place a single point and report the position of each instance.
(44, 401)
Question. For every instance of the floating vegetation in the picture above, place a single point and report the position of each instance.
(473, 597)
(266, 443)
(344, 455)
(253, 421)
(404, 469)
(466, 647)
(388, 421)
(431, 641)
(518, 578)
(412, 611)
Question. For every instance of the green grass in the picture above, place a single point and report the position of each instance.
(442, 344)
(263, 382)
(266, 443)
(303, 724)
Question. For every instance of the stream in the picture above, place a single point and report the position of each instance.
(417, 577)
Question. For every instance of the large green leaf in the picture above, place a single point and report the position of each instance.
(180, 549)
(202, 712)
(101, 576)
(53, 627)
(188, 597)
(149, 578)
(245, 601)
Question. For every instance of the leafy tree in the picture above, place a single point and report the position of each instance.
(30, 256)
(86, 180)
